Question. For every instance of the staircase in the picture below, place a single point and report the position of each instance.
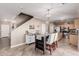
(22, 18)
(18, 34)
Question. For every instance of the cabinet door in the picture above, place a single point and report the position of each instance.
(76, 40)
(77, 23)
(73, 40)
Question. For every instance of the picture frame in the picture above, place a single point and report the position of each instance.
(31, 26)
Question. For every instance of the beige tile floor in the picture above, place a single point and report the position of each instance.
(4, 42)
(64, 49)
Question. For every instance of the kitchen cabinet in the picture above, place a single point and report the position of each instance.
(73, 40)
(77, 27)
(76, 23)
(71, 26)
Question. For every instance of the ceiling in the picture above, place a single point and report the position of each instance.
(39, 10)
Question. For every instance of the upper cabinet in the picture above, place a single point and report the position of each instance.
(76, 23)
(71, 26)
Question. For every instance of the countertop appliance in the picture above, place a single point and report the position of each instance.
(73, 31)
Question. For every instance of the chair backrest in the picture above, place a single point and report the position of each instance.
(38, 37)
(51, 38)
(47, 37)
(56, 37)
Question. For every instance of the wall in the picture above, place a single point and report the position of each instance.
(17, 35)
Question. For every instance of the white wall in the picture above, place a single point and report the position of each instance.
(17, 35)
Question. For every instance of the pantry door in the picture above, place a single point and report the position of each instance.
(5, 30)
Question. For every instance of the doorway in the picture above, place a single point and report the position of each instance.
(4, 36)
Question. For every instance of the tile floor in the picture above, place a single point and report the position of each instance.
(64, 49)
(4, 42)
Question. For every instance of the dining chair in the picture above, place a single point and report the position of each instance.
(40, 43)
(56, 40)
(50, 43)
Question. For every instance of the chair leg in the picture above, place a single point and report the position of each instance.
(35, 48)
(53, 46)
(50, 49)
(43, 52)
(56, 44)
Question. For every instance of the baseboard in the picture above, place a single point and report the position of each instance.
(18, 45)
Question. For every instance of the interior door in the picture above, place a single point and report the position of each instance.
(5, 30)
(43, 29)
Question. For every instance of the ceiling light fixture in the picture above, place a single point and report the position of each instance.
(48, 13)
(62, 3)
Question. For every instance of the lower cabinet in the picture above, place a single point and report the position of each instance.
(30, 39)
(73, 40)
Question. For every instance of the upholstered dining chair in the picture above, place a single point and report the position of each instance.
(49, 44)
(56, 40)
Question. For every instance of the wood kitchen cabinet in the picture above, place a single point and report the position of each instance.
(76, 22)
(73, 40)
(77, 27)
(71, 26)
